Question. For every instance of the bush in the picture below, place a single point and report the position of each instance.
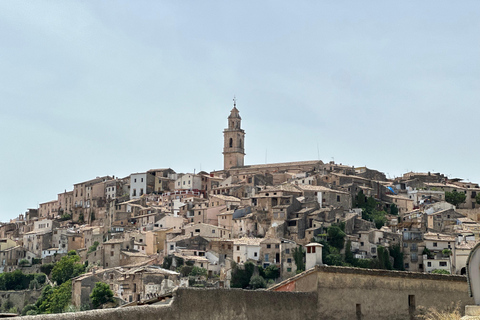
(257, 282)
(47, 268)
(440, 271)
(93, 247)
(272, 272)
(101, 294)
(29, 307)
(241, 277)
(24, 263)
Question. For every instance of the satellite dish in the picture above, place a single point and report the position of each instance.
(473, 273)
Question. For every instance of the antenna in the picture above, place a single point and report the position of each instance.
(318, 151)
(265, 155)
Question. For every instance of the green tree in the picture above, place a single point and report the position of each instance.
(60, 298)
(24, 263)
(272, 272)
(28, 308)
(360, 200)
(47, 268)
(349, 258)
(101, 294)
(455, 197)
(241, 276)
(257, 282)
(393, 209)
(336, 237)
(397, 255)
(93, 247)
(67, 268)
(477, 198)
(197, 271)
(299, 258)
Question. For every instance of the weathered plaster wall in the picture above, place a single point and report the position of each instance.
(217, 304)
(20, 298)
(323, 292)
(351, 293)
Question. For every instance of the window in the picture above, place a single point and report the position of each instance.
(407, 266)
(277, 246)
(266, 257)
(287, 251)
(289, 260)
(197, 230)
(429, 264)
(269, 246)
(213, 231)
(134, 180)
(434, 244)
(443, 263)
(289, 269)
(238, 248)
(338, 198)
(255, 254)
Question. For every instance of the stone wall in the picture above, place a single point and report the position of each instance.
(215, 304)
(352, 293)
(325, 292)
(20, 298)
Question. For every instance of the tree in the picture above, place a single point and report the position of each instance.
(360, 200)
(47, 268)
(67, 268)
(272, 272)
(397, 255)
(241, 276)
(393, 209)
(455, 197)
(24, 263)
(93, 247)
(257, 282)
(299, 258)
(101, 294)
(336, 237)
(349, 258)
(477, 198)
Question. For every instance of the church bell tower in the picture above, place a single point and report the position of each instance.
(234, 139)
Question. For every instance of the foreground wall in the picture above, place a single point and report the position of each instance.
(325, 293)
(215, 304)
(352, 293)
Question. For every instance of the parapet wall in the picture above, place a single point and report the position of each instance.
(326, 293)
(352, 293)
(215, 304)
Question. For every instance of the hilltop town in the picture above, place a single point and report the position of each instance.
(151, 232)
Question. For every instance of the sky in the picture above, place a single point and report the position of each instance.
(94, 88)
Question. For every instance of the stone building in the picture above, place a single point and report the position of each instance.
(234, 138)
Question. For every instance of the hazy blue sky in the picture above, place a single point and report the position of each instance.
(90, 88)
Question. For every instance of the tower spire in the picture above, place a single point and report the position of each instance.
(234, 101)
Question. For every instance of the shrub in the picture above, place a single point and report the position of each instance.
(257, 282)
(101, 294)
